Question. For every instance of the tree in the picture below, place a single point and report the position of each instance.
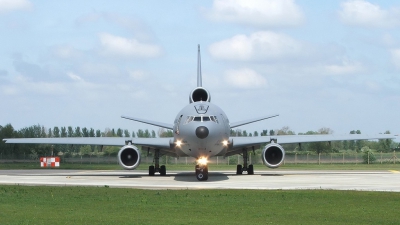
(153, 134)
(64, 132)
(255, 134)
(85, 132)
(70, 132)
(244, 133)
(56, 132)
(85, 150)
(119, 132)
(77, 132)
(271, 132)
(98, 133)
(91, 133)
(126, 133)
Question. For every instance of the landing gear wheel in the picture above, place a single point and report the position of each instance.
(201, 173)
(239, 170)
(151, 170)
(163, 170)
(250, 170)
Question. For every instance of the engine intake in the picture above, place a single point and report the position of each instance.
(273, 155)
(199, 94)
(129, 157)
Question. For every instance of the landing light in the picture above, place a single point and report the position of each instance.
(202, 161)
(178, 143)
(225, 143)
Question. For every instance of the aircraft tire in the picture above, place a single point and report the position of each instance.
(163, 170)
(250, 170)
(151, 171)
(239, 170)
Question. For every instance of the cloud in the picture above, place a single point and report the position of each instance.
(14, 5)
(74, 77)
(127, 48)
(395, 55)
(346, 67)
(245, 79)
(257, 13)
(365, 14)
(257, 46)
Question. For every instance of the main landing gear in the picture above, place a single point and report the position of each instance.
(201, 169)
(157, 168)
(245, 167)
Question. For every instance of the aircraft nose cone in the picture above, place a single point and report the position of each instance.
(202, 132)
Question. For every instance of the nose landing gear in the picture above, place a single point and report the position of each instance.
(201, 169)
(202, 172)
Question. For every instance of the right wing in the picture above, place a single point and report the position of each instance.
(239, 143)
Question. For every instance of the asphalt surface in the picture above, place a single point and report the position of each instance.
(273, 180)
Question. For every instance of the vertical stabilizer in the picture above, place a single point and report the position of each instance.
(199, 82)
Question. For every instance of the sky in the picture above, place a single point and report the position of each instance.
(333, 64)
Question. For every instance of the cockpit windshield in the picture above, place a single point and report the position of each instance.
(201, 119)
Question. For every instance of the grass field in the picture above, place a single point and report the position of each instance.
(102, 205)
(214, 167)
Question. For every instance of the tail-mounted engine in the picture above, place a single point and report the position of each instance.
(129, 157)
(273, 155)
(199, 94)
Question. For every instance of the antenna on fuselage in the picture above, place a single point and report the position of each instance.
(199, 83)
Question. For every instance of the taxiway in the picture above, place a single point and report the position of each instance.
(273, 180)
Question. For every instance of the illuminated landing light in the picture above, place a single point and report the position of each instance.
(202, 161)
(178, 143)
(225, 143)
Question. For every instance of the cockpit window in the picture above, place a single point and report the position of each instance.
(201, 119)
(189, 119)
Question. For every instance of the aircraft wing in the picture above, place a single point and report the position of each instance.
(238, 143)
(244, 122)
(160, 143)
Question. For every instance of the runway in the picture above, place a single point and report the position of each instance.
(271, 180)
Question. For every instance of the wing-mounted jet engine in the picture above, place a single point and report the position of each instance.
(273, 155)
(129, 157)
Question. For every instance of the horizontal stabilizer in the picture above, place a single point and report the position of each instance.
(163, 125)
(244, 122)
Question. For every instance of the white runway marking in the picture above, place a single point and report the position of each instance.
(277, 179)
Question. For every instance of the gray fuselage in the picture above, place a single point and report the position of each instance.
(201, 128)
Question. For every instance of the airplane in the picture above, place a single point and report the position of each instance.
(201, 130)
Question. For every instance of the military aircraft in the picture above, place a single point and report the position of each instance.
(201, 130)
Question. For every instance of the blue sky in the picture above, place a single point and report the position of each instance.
(318, 64)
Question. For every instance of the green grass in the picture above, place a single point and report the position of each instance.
(102, 205)
(182, 167)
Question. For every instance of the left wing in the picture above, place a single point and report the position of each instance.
(111, 141)
(239, 143)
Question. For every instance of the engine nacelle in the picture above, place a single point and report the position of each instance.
(129, 157)
(199, 94)
(273, 155)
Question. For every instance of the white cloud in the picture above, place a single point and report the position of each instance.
(245, 79)
(346, 67)
(258, 46)
(74, 77)
(14, 5)
(395, 55)
(123, 47)
(366, 14)
(258, 13)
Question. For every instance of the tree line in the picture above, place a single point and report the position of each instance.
(38, 131)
